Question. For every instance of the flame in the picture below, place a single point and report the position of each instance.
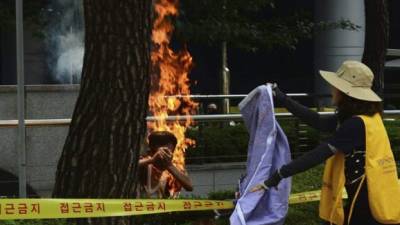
(170, 78)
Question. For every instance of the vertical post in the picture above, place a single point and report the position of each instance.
(333, 46)
(225, 78)
(20, 99)
(214, 168)
(224, 69)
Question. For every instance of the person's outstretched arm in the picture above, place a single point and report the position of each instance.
(326, 123)
(349, 137)
(310, 159)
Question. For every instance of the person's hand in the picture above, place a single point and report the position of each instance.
(165, 154)
(163, 158)
(237, 194)
(278, 95)
(273, 181)
(273, 87)
(259, 187)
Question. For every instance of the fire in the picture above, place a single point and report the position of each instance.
(170, 78)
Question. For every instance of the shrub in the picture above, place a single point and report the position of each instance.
(222, 195)
(218, 143)
(393, 129)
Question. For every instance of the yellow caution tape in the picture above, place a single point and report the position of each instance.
(310, 196)
(11, 209)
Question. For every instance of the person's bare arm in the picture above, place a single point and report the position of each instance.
(145, 161)
(165, 161)
(157, 159)
(183, 178)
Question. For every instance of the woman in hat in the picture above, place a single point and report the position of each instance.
(358, 154)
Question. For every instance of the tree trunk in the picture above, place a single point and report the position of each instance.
(376, 39)
(100, 155)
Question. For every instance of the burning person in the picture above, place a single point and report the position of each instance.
(154, 165)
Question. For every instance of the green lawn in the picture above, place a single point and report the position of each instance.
(306, 213)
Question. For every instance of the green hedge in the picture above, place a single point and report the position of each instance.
(223, 143)
(393, 129)
(229, 143)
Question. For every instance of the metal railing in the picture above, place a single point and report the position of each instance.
(393, 52)
(199, 118)
(234, 96)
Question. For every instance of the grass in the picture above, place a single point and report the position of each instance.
(306, 213)
(33, 222)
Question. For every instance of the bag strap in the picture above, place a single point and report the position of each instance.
(355, 198)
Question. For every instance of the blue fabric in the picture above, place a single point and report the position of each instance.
(268, 150)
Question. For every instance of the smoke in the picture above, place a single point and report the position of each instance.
(69, 58)
(65, 40)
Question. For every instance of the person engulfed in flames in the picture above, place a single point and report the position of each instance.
(155, 163)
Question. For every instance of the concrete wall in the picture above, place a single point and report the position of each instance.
(215, 177)
(44, 144)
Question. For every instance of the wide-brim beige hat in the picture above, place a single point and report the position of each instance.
(353, 79)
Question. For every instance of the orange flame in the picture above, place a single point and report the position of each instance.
(170, 78)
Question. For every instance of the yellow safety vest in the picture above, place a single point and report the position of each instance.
(380, 173)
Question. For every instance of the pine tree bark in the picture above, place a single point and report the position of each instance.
(376, 40)
(99, 158)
